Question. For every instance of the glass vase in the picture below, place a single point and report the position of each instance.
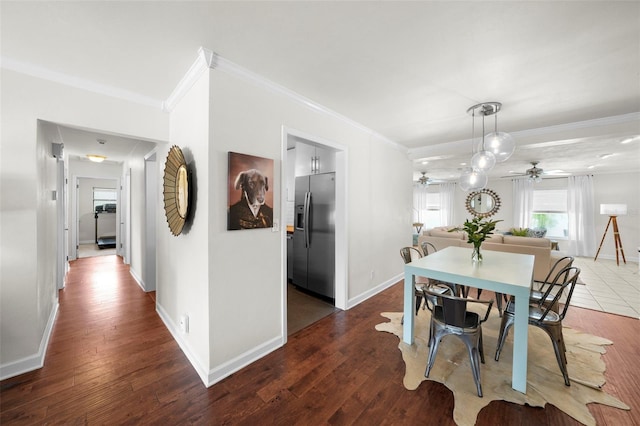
(476, 256)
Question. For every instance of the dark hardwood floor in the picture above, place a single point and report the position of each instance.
(111, 361)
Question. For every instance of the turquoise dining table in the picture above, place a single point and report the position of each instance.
(508, 273)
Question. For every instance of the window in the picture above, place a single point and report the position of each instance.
(104, 200)
(426, 208)
(550, 212)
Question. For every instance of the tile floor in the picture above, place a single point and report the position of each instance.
(608, 287)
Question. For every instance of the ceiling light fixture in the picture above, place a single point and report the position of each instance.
(489, 149)
(96, 158)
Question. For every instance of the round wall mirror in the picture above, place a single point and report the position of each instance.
(176, 190)
(483, 203)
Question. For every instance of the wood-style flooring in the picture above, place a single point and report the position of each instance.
(111, 361)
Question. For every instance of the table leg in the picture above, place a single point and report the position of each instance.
(520, 343)
(409, 307)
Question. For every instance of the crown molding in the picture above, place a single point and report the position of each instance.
(79, 83)
(217, 62)
(203, 62)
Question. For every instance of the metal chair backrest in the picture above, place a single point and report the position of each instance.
(409, 254)
(562, 263)
(454, 308)
(427, 248)
(566, 280)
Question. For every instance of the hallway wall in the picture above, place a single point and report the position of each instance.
(28, 296)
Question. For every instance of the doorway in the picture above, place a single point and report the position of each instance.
(309, 159)
(97, 216)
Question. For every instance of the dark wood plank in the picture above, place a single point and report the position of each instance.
(111, 360)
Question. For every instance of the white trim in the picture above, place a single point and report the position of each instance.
(184, 345)
(341, 283)
(77, 82)
(35, 361)
(202, 63)
(228, 368)
(137, 278)
(375, 290)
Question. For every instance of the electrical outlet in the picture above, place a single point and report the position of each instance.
(373, 274)
(184, 324)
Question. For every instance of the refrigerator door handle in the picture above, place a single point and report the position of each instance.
(307, 202)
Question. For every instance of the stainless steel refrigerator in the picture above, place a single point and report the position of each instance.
(314, 234)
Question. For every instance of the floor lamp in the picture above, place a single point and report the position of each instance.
(613, 210)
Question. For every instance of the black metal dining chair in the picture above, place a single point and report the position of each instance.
(409, 254)
(449, 316)
(545, 314)
(456, 289)
(539, 288)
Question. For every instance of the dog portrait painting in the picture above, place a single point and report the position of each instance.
(250, 186)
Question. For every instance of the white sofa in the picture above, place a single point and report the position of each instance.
(539, 247)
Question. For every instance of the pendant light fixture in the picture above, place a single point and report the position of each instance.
(500, 144)
(489, 149)
(482, 160)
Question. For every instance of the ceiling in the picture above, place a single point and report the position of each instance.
(567, 73)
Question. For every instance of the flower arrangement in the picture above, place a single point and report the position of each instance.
(477, 231)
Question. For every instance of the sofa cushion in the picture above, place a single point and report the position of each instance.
(526, 241)
(494, 238)
(446, 234)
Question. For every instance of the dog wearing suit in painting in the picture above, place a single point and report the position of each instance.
(251, 211)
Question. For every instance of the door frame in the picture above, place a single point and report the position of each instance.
(341, 247)
(73, 249)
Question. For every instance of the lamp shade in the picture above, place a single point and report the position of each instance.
(613, 209)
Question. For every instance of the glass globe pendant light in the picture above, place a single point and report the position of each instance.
(473, 180)
(500, 144)
(482, 160)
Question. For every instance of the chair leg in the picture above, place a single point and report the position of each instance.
(557, 339)
(505, 324)
(433, 350)
(480, 344)
(472, 342)
(418, 303)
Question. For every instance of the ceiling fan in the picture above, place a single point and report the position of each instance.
(424, 180)
(535, 173)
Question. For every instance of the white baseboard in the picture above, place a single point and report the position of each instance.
(184, 345)
(241, 361)
(35, 361)
(137, 278)
(372, 292)
(213, 376)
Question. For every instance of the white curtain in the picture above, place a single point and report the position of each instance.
(447, 193)
(580, 207)
(522, 202)
(419, 203)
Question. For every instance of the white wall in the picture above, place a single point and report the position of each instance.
(619, 188)
(246, 274)
(183, 269)
(28, 255)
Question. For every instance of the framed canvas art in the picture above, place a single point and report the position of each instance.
(250, 201)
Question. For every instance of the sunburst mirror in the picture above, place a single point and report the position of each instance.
(176, 190)
(483, 203)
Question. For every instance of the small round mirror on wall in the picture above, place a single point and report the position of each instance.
(483, 203)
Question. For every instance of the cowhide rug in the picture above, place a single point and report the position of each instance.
(544, 379)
